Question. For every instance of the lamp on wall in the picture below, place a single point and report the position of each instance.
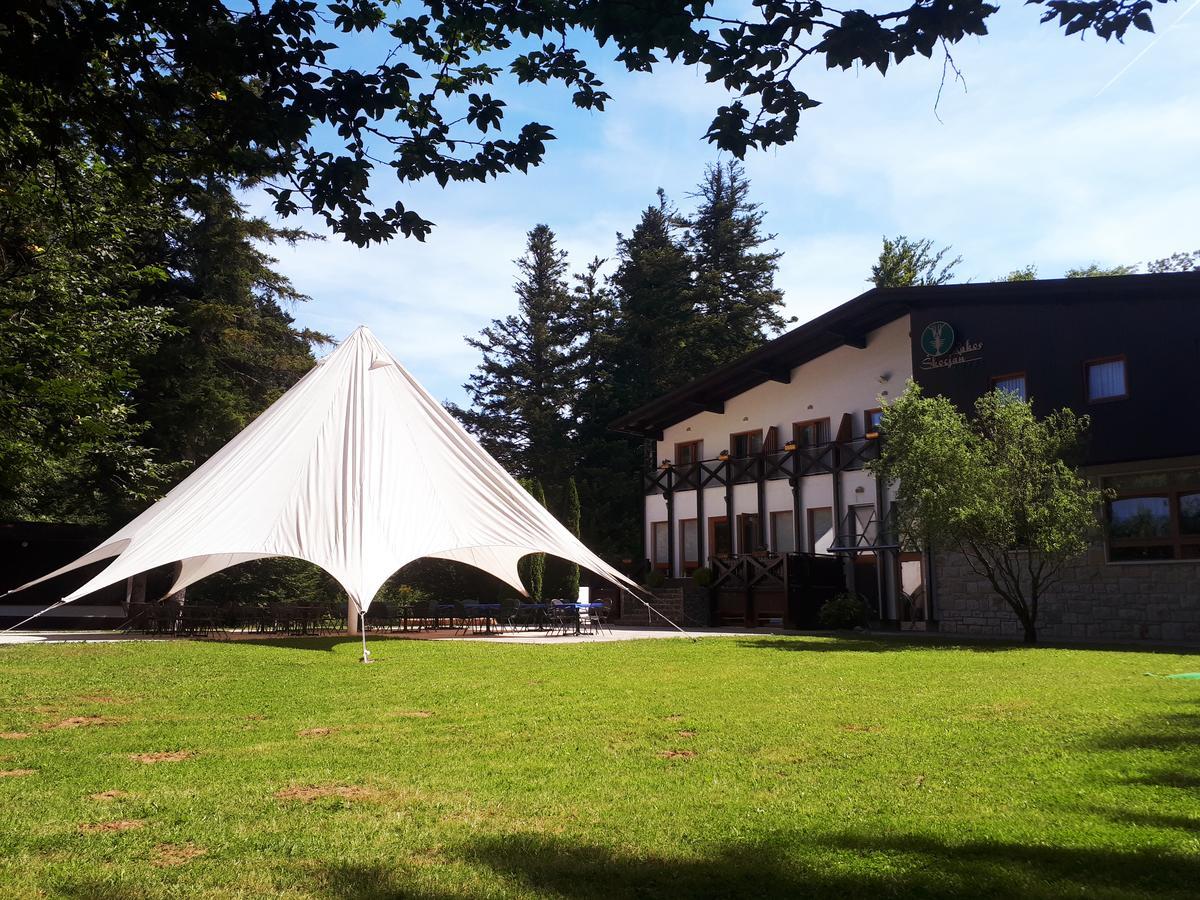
(885, 377)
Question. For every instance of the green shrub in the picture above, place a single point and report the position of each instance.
(703, 577)
(843, 611)
(655, 579)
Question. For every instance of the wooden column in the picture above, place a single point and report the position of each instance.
(729, 520)
(701, 523)
(760, 485)
(669, 496)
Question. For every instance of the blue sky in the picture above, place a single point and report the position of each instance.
(1043, 159)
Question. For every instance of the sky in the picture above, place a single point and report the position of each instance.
(1057, 152)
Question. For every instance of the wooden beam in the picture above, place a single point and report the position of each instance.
(783, 376)
(858, 341)
(712, 406)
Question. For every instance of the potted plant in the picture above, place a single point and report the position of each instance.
(790, 446)
(723, 456)
(665, 464)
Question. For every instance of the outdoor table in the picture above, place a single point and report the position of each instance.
(485, 608)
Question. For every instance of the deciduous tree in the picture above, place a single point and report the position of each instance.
(1001, 488)
(255, 89)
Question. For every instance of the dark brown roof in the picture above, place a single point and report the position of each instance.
(849, 324)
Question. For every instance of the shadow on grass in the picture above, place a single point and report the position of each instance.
(836, 865)
(849, 642)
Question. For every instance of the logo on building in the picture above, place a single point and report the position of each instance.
(937, 338)
(941, 351)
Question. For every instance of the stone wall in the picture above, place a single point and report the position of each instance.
(1095, 601)
(680, 600)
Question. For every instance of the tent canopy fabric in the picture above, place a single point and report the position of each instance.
(356, 469)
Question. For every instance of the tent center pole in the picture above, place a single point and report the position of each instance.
(362, 629)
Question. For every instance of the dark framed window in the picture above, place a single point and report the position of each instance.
(745, 443)
(783, 532)
(811, 433)
(689, 544)
(1013, 383)
(749, 533)
(1154, 516)
(1106, 379)
(719, 538)
(687, 453)
(820, 529)
(661, 545)
(872, 421)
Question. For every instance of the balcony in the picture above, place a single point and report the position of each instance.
(779, 465)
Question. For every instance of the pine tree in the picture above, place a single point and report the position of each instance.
(522, 391)
(734, 282)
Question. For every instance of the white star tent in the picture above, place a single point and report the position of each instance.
(356, 469)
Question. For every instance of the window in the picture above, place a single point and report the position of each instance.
(1154, 516)
(812, 433)
(783, 532)
(719, 543)
(747, 443)
(661, 545)
(820, 529)
(689, 541)
(749, 534)
(872, 421)
(1106, 379)
(687, 453)
(1014, 384)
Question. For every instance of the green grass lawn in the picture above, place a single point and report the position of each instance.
(729, 767)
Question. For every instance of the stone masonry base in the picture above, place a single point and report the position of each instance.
(1095, 601)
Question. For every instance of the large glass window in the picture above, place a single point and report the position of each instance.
(1154, 516)
(1106, 379)
(783, 532)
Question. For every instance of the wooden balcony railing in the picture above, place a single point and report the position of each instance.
(820, 459)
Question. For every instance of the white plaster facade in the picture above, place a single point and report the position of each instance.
(844, 381)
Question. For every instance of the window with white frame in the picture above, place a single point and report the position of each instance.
(1106, 379)
(1013, 384)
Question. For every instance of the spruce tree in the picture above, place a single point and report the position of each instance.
(656, 325)
(734, 282)
(522, 391)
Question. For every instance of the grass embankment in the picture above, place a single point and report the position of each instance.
(732, 767)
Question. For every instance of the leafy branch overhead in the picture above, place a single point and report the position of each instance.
(255, 90)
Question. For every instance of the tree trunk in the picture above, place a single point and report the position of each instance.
(1030, 632)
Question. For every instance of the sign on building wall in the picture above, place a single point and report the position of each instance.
(941, 351)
